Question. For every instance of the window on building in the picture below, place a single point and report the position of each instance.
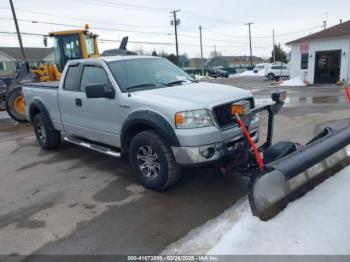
(304, 61)
(2, 66)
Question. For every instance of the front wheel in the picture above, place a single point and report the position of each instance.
(152, 161)
(15, 106)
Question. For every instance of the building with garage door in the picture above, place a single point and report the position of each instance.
(322, 57)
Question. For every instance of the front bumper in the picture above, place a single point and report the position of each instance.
(197, 155)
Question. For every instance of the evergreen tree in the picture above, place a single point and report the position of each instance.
(281, 55)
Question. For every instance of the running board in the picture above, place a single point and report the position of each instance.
(92, 146)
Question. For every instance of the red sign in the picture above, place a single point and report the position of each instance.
(304, 48)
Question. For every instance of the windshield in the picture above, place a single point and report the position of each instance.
(147, 73)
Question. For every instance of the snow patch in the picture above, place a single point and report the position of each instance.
(314, 224)
(297, 81)
(248, 73)
(200, 77)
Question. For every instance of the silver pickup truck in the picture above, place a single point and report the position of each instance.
(144, 108)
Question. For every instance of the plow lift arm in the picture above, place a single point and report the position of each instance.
(290, 170)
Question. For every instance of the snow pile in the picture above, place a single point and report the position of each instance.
(200, 77)
(249, 73)
(4, 115)
(314, 224)
(297, 81)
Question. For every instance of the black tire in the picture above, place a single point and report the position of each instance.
(168, 170)
(12, 95)
(46, 135)
(271, 76)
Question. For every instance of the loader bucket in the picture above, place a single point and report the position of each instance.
(293, 175)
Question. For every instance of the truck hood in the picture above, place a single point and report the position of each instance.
(195, 94)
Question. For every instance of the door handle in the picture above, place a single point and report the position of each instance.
(78, 102)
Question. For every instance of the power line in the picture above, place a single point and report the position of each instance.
(127, 31)
(135, 25)
(124, 6)
(213, 19)
(263, 36)
(82, 19)
(130, 41)
(94, 27)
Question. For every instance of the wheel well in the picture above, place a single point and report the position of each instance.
(33, 111)
(132, 131)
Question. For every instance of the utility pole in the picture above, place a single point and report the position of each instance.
(215, 56)
(250, 43)
(325, 21)
(273, 45)
(18, 32)
(176, 22)
(201, 44)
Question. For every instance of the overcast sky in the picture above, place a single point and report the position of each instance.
(222, 21)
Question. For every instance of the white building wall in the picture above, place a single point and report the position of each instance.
(342, 44)
(295, 63)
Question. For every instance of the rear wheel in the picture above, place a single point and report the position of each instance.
(15, 105)
(152, 161)
(271, 76)
(47, 137)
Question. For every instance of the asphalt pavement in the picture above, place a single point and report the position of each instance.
(75, 201)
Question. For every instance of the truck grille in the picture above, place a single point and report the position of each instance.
(223, 113)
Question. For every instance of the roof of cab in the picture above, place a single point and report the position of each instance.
(117, 58)
(111, 58)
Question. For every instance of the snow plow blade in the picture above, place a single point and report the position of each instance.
(293, 175)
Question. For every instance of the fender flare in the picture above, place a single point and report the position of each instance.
(151, 119)
(37, 105)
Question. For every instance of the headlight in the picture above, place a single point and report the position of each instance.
(193, 119)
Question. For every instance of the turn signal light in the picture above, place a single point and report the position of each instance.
(179, 119)
(240, 108)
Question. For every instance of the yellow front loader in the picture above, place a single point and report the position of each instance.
(69, 45)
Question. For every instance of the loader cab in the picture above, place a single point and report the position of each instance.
(74, 44)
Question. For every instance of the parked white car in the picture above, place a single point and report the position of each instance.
(261, 67)
(275, 71)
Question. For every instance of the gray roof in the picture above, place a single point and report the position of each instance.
(240, 58)
(32, 53)
(342, 29)
(183, 58)
(196, 59)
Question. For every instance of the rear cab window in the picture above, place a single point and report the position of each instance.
(70, 81)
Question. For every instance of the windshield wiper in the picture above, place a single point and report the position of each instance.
(177, 82)
(141, 85)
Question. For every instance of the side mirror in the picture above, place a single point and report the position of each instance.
(278, 96)
(100, 91)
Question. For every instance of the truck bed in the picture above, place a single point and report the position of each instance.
(46, 93)
(50, 84)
